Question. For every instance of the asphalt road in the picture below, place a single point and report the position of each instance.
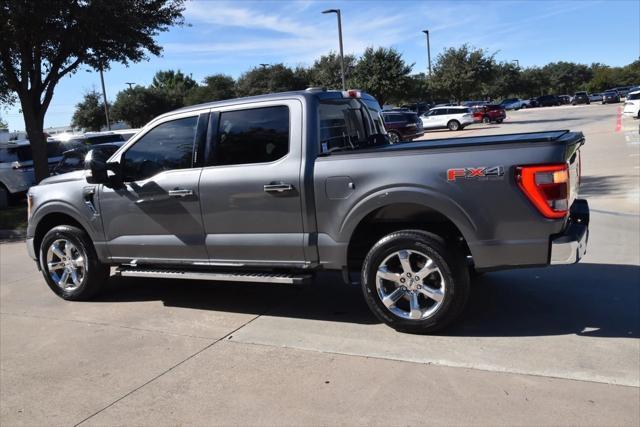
(554, 346)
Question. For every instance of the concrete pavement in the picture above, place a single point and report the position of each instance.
(553, 346)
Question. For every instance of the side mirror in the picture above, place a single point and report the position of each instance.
(97, 168)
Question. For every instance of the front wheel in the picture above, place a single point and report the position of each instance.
(453, 125)
(486, 120)
(394, 137)
(499, 121)
(412, 282)
(70, 264)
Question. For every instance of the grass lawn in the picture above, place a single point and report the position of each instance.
(13, 218)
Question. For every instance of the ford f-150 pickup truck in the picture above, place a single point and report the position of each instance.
(277, 187)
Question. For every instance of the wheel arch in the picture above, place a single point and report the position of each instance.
(404, 209)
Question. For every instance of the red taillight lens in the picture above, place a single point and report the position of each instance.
(547, 187)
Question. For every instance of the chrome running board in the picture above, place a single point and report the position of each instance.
(255, 277)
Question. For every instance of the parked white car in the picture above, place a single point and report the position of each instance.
(632, 105)
(452, 118)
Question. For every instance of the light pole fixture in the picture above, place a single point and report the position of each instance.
(517, 62)
(337, 12)
(104, 96)
(264, 65)
(428, 51)
(130, 84)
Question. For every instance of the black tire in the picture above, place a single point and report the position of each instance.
(452, 267)
(453, 125)
(394, 137)
(95, 274)
(499, 121)
(486, 119)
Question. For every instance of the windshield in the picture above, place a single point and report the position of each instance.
(348, 124)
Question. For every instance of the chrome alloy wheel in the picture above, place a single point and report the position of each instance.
(410, 285)
(65, 264)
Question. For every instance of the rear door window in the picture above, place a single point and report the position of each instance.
(343, 124)
(258, 135)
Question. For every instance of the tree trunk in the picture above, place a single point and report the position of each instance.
(34, 126)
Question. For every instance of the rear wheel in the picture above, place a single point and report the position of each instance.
(499, 121)
(394, 137)
(412, 282)
(486, 119)
(453, 125)
(70, 264)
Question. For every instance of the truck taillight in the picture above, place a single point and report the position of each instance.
(547, 187)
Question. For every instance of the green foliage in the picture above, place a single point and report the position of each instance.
(89, 113)
(138, 105)
(326, 71)
(458, 73)
(383, 73)
(269, 79)
(175, 85)
(43, 41)
(214, 88)
(3, 124)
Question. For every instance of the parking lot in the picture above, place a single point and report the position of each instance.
(535, 346)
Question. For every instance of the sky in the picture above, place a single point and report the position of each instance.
(231, 37)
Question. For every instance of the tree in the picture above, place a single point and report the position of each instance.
(326, 71)
(214, 88)
(42, 42)
(89, 113)
(460, 72)
(138, 105)
(3, 124)
(505, 81)
(567, 77)
(175, 85)
(381, 72)
(269, 79)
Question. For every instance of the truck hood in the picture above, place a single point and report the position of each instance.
(65, 177)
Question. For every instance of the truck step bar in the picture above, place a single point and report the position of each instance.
(255, 277)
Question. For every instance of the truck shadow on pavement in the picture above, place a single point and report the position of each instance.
(608, 185)
(596, 300)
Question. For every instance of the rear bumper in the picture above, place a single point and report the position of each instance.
(570, 246)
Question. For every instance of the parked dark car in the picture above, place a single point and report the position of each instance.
(74, 159)
(419, 107)
(623, 91)
(610, 97)
(489, 113)
(564, 99)
(402, 125)
(580, 98)
(548, 101)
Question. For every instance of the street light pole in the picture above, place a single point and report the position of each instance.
(130, 84)
(517, 62)
(428, 51)
(104, 97)
(337, 12)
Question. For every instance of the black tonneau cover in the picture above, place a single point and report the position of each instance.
(515, 138)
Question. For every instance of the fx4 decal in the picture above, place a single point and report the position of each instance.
(475, 173)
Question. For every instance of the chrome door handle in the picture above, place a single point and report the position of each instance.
(180, 193)
(280, 187)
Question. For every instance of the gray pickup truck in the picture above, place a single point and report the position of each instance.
(275, 188)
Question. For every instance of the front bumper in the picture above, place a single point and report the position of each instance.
(570, 246)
